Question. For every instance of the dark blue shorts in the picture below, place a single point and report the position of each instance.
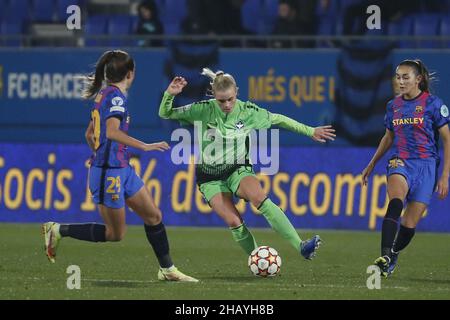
(112, 186)
(420, 174)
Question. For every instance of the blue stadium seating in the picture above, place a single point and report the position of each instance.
(371, 43)
(402, 27)
(43, 10)
(426, 25)
(119, 25)
(11, 27)
(18, 10)
(134, 21)
(270, 13)
(96, 25)
(250, 12)
(175, 10)
(171, 28)
(258, 17)
(326, 28)
(331, 9)
(344, 4)
(339, 28)
(171, 14)
(444, 30)
(427, 6)
(4, 4)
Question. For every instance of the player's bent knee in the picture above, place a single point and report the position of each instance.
(410, 222)
(154, 218)
(258, 199)
(233, 223)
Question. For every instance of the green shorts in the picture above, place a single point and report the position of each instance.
(229, 185)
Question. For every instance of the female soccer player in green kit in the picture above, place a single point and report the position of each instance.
(218, 179)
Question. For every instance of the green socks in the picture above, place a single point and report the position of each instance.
(277, 220)
(245, 239)
(280, 223)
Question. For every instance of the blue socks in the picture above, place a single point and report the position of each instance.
(92, 232)
(390, 225)
(404, 237)
(157, 237)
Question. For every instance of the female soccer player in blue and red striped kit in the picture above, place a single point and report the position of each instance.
(414, 122)
(112, 181)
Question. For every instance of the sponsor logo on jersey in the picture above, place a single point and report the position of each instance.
(398, 122)
(183, 108)
(114, 197)
(117, 108)
(444, 111)
(117, 101)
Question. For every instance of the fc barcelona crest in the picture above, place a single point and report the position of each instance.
(419, 109)
(396, 162)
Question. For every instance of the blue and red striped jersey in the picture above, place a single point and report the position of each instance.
(109, 102)
(415, 124)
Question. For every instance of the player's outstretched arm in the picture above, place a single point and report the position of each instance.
(114, 133)
(319, 134)
(442, 185)
(385, 144)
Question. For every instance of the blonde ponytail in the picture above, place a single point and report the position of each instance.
(209, 73)
(219, 80)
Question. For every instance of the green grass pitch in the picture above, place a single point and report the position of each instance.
(127, 269)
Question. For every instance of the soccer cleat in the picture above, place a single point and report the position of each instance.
(51, 239)
(383, 263)
(174, 275)
(392, 263)
(308, 247)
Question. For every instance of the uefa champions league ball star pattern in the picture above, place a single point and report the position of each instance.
(264, 261)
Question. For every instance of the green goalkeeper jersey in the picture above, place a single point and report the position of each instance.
(224, 138)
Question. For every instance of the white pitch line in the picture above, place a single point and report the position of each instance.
(331, 286)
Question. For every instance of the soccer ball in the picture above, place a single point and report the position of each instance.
(264, 261)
